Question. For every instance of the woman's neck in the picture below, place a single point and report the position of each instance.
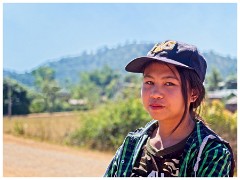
(163, 136)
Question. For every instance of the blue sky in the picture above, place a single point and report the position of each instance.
(35, 33)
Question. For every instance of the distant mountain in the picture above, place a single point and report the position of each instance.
(25, 78)
(69, 68)
(225, 64)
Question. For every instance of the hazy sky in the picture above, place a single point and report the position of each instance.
(35, 33)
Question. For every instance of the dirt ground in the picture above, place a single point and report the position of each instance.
(29, 158)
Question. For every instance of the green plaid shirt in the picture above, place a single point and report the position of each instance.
(205, 153)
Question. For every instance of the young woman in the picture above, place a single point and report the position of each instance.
(176, 142)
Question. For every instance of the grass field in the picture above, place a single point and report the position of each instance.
(53, 127)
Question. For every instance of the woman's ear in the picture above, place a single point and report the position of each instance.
(194, 95)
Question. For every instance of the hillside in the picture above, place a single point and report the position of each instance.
(69, 68)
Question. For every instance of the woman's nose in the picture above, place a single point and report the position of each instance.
(157, 93)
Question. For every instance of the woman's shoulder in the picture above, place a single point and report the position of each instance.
(203, 130)
(205, 141)
(147, 129)
(205, 138)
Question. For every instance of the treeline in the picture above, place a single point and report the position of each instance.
(93, 89)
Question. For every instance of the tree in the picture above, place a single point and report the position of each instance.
(46, 83)
(15, 98)
(97, 86)
(214, 79)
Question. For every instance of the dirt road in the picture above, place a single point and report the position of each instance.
(28, 158)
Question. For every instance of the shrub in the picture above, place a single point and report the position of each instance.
(221, 120)
(37, 106)
(106, 128)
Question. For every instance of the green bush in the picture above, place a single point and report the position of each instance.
(37, 106)
(106, 128)
(221, 120)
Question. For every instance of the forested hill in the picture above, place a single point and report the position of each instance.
(69, 68)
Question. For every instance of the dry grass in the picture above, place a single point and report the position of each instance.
(46, 127)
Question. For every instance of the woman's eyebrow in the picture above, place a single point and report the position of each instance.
(147, 76)
(170, 77)
(164, 77)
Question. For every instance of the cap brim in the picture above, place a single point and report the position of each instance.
(137, 65)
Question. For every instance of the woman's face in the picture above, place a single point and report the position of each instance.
(161, 92)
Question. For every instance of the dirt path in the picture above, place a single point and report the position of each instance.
(28, 158)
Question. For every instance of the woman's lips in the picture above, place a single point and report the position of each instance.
(156, 106)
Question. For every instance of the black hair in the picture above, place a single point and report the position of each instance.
(190, 81)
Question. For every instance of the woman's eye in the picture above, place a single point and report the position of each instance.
(149, 82)
(169, 84)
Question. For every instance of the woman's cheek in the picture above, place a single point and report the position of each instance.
(144, 97)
